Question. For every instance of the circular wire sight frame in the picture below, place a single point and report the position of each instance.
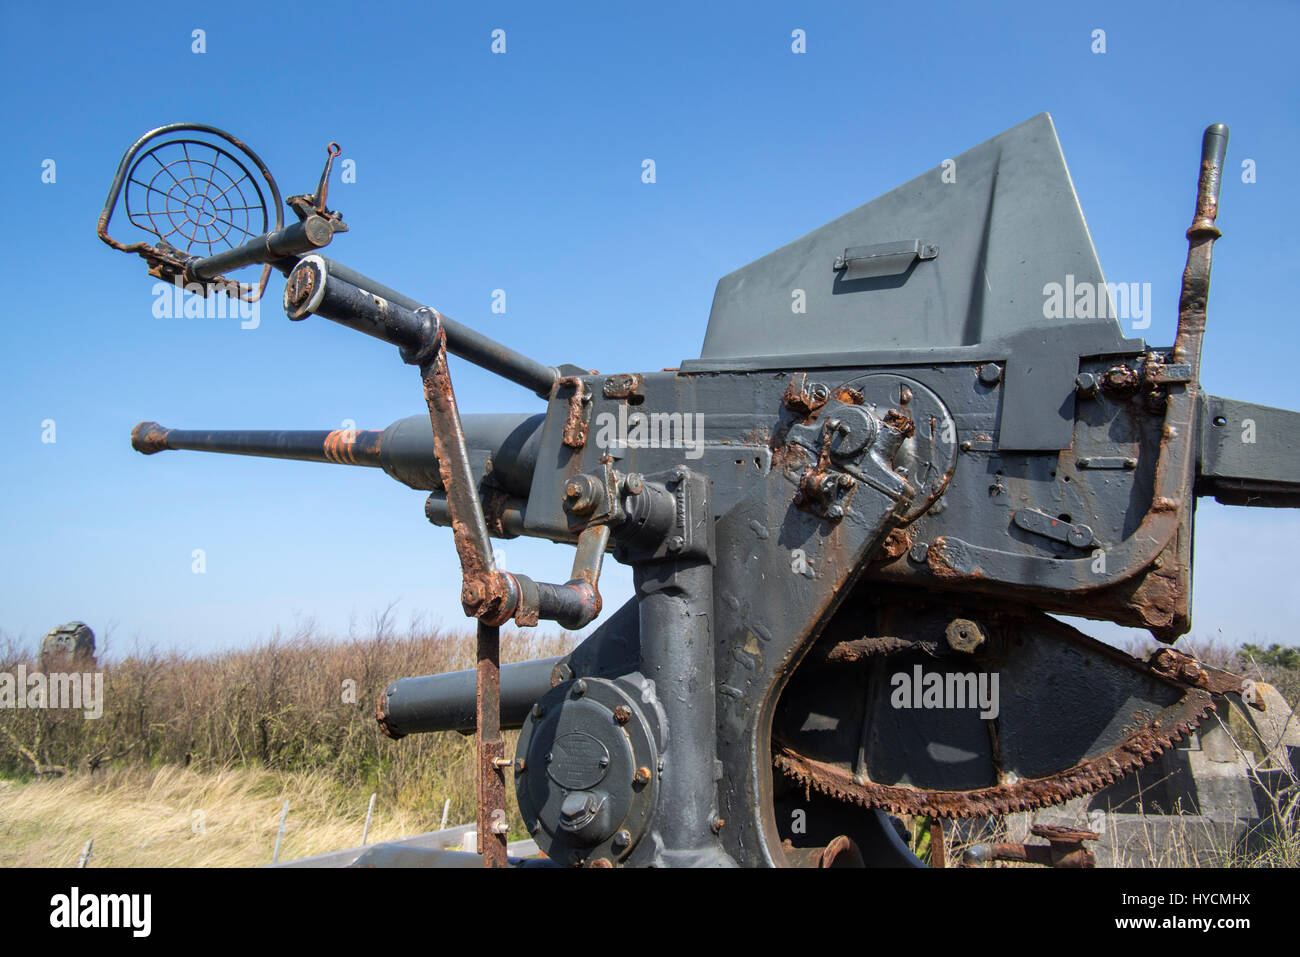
(195, 196)
(198, 195)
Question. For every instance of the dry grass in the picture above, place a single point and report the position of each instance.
(194, 756)
(295, 714)
(176, 817)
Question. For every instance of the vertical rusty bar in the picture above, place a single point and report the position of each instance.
(479, 575)
(938, 855)
(492, 822)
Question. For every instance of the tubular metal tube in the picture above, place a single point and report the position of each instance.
(357, 301)
(312, 233)
(404, 450)
(446, 702)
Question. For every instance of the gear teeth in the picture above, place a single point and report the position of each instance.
(1137, 751)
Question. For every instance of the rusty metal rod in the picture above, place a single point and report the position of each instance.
(492, 821)
(1194, 298)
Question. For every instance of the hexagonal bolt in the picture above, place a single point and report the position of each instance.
(964, 635)
(580, 494)
(621, 840)
(622, 715)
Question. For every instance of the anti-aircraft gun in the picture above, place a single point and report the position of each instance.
(891, 491)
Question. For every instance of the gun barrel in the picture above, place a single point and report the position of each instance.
(404, 450)
(340, 446)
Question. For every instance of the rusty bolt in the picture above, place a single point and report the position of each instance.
(718, 824)
(633, 484)
(642, 775)
(964, 635)
(580, 494)
(621, 840)
(520, 766)
(622, 715)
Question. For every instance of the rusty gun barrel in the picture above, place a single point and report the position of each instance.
(404, 450)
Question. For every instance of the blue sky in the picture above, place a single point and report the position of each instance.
(522, 172)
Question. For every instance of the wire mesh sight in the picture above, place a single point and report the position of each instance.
(196, 196)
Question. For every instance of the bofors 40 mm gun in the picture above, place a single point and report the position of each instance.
(907, 478)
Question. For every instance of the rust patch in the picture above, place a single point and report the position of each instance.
(939, 561)
(352, 447)
(575, 423)
(381, 715)
(900, 423)
(849, 396)
(897, 544)
(495, 503)
(623, 386)
(149, 437)
(1122, 380)
(804, 398)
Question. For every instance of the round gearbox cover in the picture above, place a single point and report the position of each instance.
(929, 454)
(589, 776)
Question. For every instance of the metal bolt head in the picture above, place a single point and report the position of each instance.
(538, 711)
(964, 635)
(520, 765)
(622, 715)
(676, 543)
(1085, 383)
(580, 494)
(919, 551)
(990, 373)
(579, 688)
(642, 775)
(621, 840)
(633, 483)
